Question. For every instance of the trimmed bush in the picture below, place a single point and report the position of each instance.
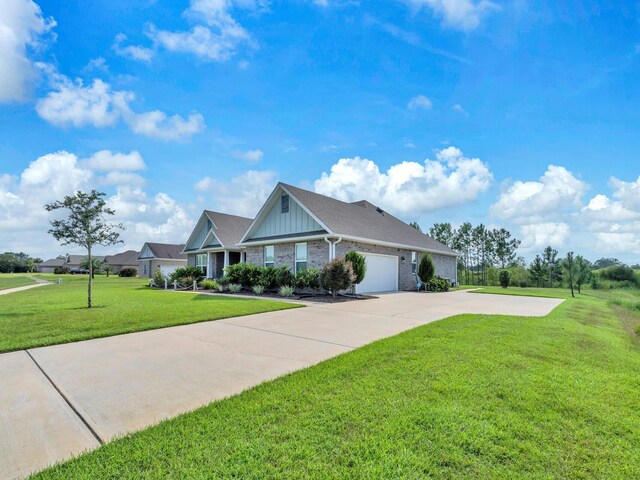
(158, 278)
(258, 289)
(437, 284)
(187, 275)
(358, 264)
(209, 284)
(59, 271)
(128, 272)
(426, 269)
(286, 291)
(235, 287)
(336, 275)
(504, 278)
(245, 274)
(308, 278)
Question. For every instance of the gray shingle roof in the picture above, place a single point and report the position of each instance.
(228, 228)
(130, 257)
(364, 220)
(167, 250)
(73, 260)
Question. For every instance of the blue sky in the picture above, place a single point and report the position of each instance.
(527, 113)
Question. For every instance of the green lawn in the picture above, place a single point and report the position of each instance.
(12, 280)
(527, 292)
(58, 314)
(472, 396)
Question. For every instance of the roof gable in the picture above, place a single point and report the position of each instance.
(200, 233)
(272, 222)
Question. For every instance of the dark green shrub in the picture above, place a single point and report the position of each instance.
(523, 284)
(268, 278)
(223, 281)
(437, 284)
(504, 278)
(336, 275)
(619, 273)
(426, 269)
(128, 272)
(284, 277)
(358, 264)
(59, 270)
(245, 274)
(187, 275)
(158, 278)
(308, 278)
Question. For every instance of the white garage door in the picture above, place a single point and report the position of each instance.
(167, 269)
(382, 274)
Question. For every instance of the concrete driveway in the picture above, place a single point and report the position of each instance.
(58, 401)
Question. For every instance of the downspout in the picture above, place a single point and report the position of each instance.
(334, 246)
(330, 249)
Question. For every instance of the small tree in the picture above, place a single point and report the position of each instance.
(583, 272)
(93, 264)
(359, 266)
(107, 269)
(504, 278)
(426, 269)
(336, 275)
(86, 225)
(569, 267)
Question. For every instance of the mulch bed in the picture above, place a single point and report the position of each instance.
(309, 297)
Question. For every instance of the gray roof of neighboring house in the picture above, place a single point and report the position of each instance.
(130, 257)
(167, 250)
(73, 260)
(228, 228)
(364, 220)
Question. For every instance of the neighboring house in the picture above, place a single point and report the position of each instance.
(69, 262)
(166, 256)
(213, 244)
(300, 229)
(117, 262)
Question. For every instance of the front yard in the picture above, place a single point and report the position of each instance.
(472, 396)
(12, 280)
(58, 314)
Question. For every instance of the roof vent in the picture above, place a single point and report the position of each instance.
(379, 210)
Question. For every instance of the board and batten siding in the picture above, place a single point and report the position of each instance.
(276, 223)
(146, 252)
(202, 230)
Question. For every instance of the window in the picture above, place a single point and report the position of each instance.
(301, 257)
(284, 204)
(144, 269)
(269, 255)
(414, 262)
(201, 262)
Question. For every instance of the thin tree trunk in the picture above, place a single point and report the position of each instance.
(90, 279)
(571, 282)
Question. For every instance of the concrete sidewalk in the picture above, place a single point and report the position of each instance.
(58, 401)
(39, 283)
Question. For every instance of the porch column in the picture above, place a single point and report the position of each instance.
(209, 266)
(226, 258)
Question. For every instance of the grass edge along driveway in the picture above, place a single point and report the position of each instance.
(471, 396)
(10, 280)
(57, 313)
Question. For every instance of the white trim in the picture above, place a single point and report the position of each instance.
(414, 248)
(264, 255)
(272, 241)
(267, 205)
(295, 255)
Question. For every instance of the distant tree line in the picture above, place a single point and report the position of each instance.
(11, 262)
(483, 251)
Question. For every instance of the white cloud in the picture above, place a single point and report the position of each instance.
(133, 52)
(557, 191)
(24, 222)
(537, 236)
(615, 242)
(73, 103)
(458, 108)
(108, 160)
(249, 156)
(420, 102)
(409, 187)
(216, 36)
(22, 30)
(243, 195)
(460, 14)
